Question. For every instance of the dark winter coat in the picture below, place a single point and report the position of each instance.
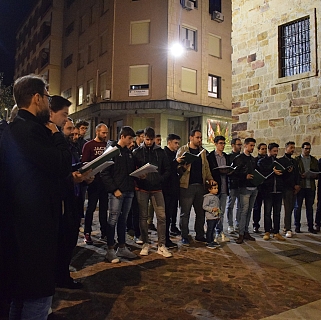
(33, 164)
(156, 156)
(171, 185)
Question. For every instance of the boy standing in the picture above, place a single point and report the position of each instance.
(211, 205)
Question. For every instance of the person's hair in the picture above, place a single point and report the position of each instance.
(25, 87)
(149, 133)
(209, 186)
(233, 141)
(69, 119)
(58, 103)
(81, 123)
(306, 143)
(260, 145)
(289, 143)
(98, 127)
(172, 136)
(158, 136)
(218, 138)
(139, 132)
(126, 131)
(272, 145)
(192, 133)
(248, 140)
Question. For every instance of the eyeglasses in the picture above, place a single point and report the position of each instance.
(48, 96)
(307, 148)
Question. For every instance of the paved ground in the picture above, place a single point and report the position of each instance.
(256, 280)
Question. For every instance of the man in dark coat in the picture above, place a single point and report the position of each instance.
(34, 160)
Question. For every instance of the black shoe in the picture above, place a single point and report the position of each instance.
(239, 240)
(297, 230)
(152, 227)
(200, 239)
(72, 284)
(171, 245)
(175, 231)
(317, 228)
(131, 232)
(312, 231)
(247, 236)
(256, 230)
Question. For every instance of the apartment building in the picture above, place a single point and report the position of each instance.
(116, 64)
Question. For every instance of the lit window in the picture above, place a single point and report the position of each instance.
(80, 95)
(295, 51)
(214, 84)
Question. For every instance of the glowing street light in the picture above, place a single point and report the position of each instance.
(177, 50)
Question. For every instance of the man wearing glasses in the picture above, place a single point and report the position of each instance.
(218, 158)
(306, 162)
(35, 159)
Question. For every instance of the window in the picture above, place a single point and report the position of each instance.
(82, 24)
(90, 53)
(214, 46)
(139, 32)
(139, 77)
(188, 37)
(67, 93)
(294, 47)
(80, 60)
(80, 95)
(188, 80)
(90, 86)
(215, 5)
(68, 61)
(103, 43)
(214, 86)
(69, 29)
(102, 83)
(91, 15)
(104, 6)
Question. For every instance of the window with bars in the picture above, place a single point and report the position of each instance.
(295, 48)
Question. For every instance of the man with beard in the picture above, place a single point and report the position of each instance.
(34, 160)
(96, 190)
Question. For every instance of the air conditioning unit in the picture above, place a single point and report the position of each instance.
(217, 16)
(188, 5)
(187, 44)
(90, 99)
(105, 94)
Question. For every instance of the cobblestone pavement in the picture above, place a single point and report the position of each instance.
(255, 280)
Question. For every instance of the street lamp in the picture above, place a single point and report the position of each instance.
(177, 50)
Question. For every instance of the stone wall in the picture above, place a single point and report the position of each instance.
(265, 106)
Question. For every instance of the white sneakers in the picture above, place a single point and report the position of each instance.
(288, 234)
(230, 230)
(224, 238)
(145, 250)
(164, 251)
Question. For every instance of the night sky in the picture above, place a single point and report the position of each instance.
(12, 14)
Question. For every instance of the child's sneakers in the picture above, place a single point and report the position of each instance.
(212, 245)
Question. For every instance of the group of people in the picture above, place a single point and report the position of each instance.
(43, 193)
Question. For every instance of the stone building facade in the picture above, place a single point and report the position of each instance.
(275, 77)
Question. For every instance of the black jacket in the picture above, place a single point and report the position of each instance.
(33, 165)
(171, 185)
(154, 155)
(290, 178)
(245, 165)
(233, 181)
(117, 176)
(216, 174)
(274, 183)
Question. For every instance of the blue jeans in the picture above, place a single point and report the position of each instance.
(30, 309)
(308, 194)
(159, 207)
(117, 214)
(272, 201)
(247, 199)
(219, 225)
(233, 197)
(211, 224)
(192, 196)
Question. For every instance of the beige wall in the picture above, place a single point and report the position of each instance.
(269, 108)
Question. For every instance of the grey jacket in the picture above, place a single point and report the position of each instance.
(211, 201)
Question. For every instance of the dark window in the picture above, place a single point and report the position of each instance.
(68, 61)
(215, 5)
(69, 29)
(214, 86)
(295, 51)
